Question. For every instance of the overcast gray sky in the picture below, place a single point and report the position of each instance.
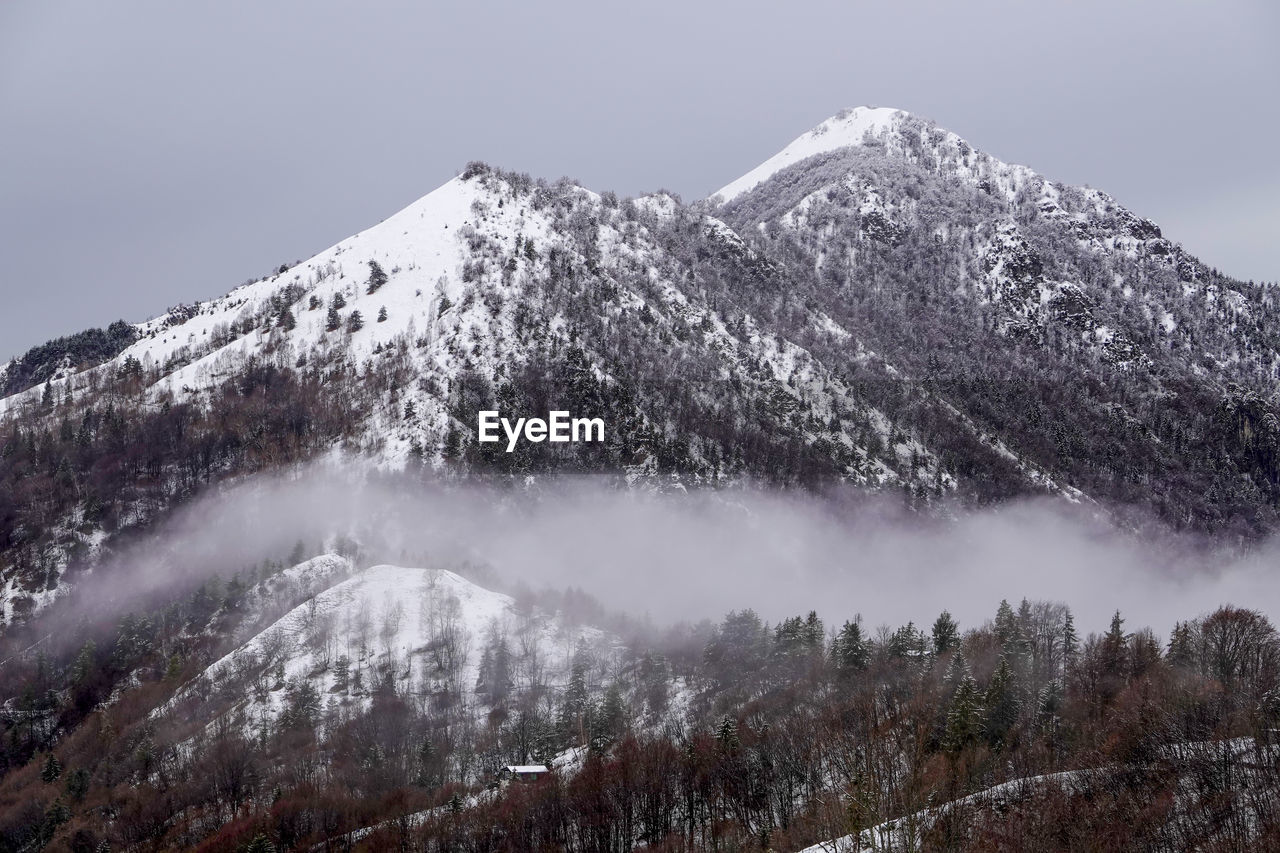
(160, 152)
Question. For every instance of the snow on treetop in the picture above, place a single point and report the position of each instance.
(840, 131)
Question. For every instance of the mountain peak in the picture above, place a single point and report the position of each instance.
(845, 128)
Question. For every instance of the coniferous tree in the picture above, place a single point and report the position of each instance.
(946, 634)
(260, 844)
(1006, 625)
(377, 277)
(342, 674)
(613, 712)
(1144, 652)
(1182, 646)
(1114, 649)
(451, 447)
(908, 643)
(610, 721)
(52, 768)
(1070, 643)
(727, 734)
(574, 708)
(54, 817)
(1023, 639)
(957, 671)
(78, 784)
(811, 634)
(84, 666)
(964, 717)
(1002, 704)
(849, 650)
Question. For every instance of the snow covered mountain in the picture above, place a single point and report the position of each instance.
(879, 304)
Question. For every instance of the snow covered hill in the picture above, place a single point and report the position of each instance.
(428, 634)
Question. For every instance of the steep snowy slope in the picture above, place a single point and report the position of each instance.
(423, 250)
(847, 128)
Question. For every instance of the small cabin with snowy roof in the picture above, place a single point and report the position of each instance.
(523, 772)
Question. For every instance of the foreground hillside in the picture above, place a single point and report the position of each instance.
(323, 706)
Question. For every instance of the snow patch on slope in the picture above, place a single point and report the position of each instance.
(841, 131)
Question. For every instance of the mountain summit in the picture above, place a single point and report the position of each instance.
(849, 127)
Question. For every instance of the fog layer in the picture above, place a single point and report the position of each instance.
(688, 556)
